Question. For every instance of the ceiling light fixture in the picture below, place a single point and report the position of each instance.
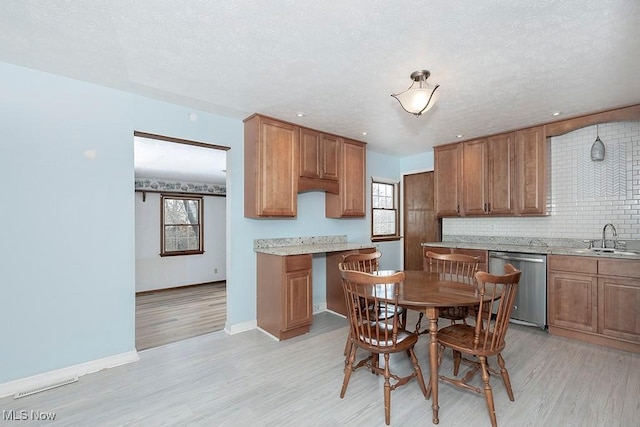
(597, 148)
(417, 100)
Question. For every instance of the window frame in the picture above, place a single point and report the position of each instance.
(396, 208)
(200, 201)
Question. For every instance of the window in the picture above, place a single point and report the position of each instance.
(181, 225)
(384, 210)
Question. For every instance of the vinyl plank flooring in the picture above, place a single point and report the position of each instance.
(171, 315)
(250, 379)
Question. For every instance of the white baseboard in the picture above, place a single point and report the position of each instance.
(247, 326)
(242, 327)
(319, 308)
(34, 381)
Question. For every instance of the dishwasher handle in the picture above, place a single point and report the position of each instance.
(516, 258)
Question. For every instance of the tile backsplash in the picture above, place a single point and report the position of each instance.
(583, 195)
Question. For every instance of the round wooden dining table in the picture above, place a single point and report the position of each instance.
(429, 293)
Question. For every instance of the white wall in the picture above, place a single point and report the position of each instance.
(156, 272)
(584, 195)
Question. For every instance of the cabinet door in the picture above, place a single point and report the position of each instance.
(500, 174)
(271, 168)
(531, 166)
(618, 308)
(309, 150)
(350, 202)
(447, 180)
(474, 172)
(572, 301)
(297, 299)
(330, 157)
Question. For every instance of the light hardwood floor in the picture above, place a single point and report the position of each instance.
(171, 315)
(249, 379)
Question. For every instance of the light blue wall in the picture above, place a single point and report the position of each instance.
(67, 240)
(68, 259)
(417, 163)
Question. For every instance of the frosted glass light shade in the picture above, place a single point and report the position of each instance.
(417, 100)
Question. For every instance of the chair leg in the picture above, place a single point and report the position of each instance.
(488, 393)
(387, 390)
(505, 377)
(347, 346)
(416, 368)
(348, 369)
(457, 356)
(419, 322)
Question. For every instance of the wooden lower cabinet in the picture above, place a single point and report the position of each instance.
(335, 295)
(572, 298)
(619, 302)
(595, 300)
(284, 294)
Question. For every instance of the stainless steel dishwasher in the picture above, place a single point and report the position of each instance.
(530, 307)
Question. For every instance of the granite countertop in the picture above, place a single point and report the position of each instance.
(536, 247)
(306, 245)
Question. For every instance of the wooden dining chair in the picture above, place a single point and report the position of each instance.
(487, 337)
(457, 267)
(368, 263)
(376, 336)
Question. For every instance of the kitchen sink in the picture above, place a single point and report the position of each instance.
(606, 251)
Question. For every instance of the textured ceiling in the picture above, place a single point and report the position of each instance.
(501, 64)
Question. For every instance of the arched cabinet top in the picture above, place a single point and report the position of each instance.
(625, 114)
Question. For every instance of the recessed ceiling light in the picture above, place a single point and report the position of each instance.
(459, 136)
(556, 113)
(300, 114)
(364, 133)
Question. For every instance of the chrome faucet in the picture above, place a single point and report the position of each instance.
(615, 236)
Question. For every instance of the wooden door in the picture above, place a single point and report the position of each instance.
(420, 222)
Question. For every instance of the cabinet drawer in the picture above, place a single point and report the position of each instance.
(577, 264)
(619, 267)
(298, 262)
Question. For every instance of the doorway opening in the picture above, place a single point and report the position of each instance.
(179, 293)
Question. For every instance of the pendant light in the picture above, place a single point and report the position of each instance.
(597, 148)
(417, 100)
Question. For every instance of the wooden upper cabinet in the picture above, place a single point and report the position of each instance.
(270, 168)
(531, 166)
(330, 157)
(501, 174)
(447, 179)
(350, 201)
(487, 176)
(474, 177)
(319, 161)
